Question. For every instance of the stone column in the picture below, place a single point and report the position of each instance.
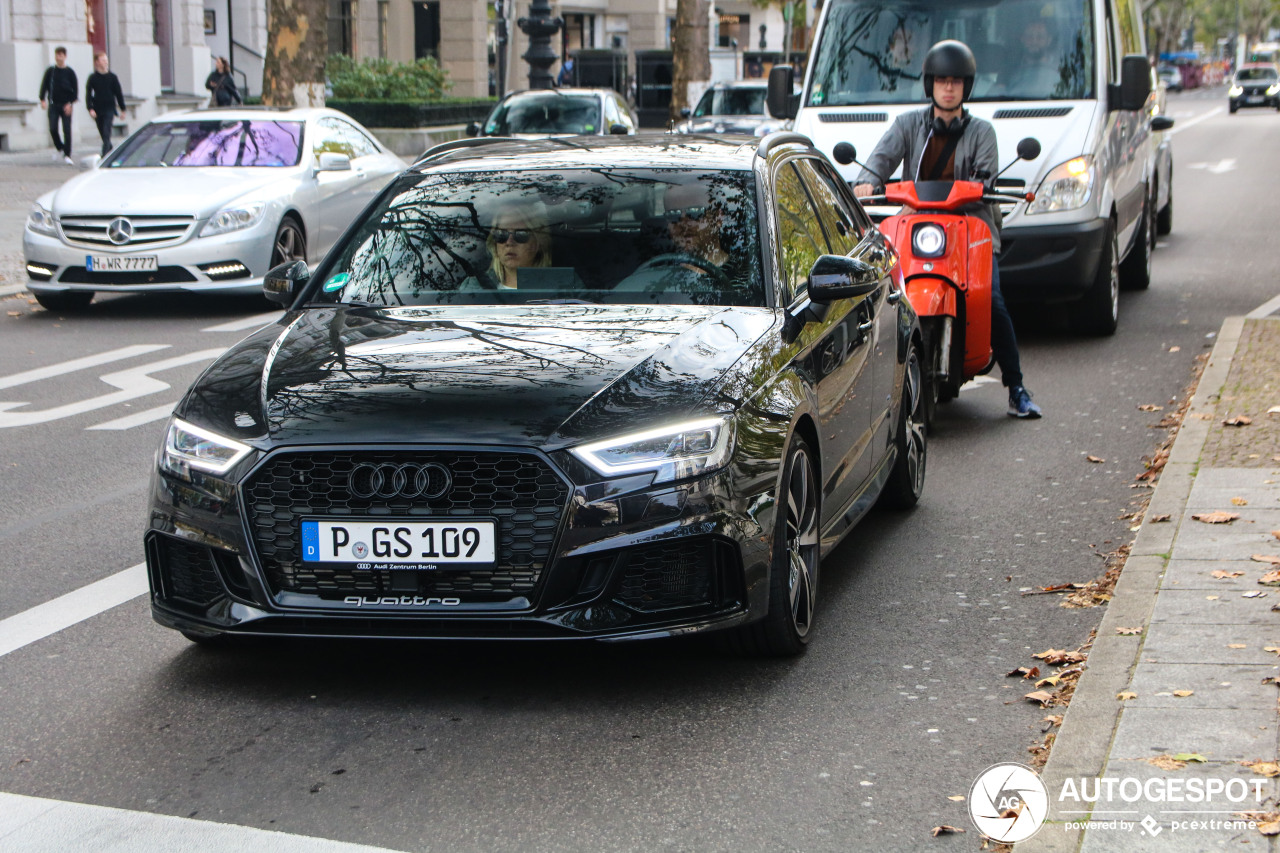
(464, 28)
(191, 55)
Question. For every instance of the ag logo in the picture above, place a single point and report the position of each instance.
(1008, 802)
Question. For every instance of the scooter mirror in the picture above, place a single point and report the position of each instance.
(844, 153)
(1029, 148)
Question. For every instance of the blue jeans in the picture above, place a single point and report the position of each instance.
(1003, 341)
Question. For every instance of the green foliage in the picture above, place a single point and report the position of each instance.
(384, 80)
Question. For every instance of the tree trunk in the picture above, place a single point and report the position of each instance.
(297, 46)
(691, 52)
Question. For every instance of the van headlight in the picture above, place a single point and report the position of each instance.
(41, 221)
(1235, 91)
(235, 217)
(1066, 187)
(1273, 89)
(688, 449)
(187, 447)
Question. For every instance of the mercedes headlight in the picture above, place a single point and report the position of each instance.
(1066, 187)
(188, 447)
(235, 217)
(928, 240)
(1273, 89)
(41, 221)
(1235, 91)
(688, 449)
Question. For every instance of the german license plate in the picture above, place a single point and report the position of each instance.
(1254, 99)
(121, 263)
(402, 545)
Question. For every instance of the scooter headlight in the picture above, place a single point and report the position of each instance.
(928, 240)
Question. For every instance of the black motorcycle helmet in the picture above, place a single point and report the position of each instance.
(950, 58)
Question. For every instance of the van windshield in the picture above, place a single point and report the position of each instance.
(872, 51)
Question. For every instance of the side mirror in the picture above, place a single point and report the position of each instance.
(90, 162)
(844, 153)
(473, 129)
(1161, 123)
(835, 277)
(1135, 84)
(685, 112)
(331, 161)
(1029, 148)
(779, 98)
(618, 129)
(282, 284)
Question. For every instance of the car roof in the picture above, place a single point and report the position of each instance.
(562, 90)
(741, 84)
(1251, 66)
(251, 113)
(641, 151)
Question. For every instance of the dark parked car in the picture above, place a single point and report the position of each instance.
(703, 377)
(539, 113)
(1254, 85)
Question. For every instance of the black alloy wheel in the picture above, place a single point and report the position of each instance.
(793, 574)
(1098, 312)
(68, 300)
(906, 480)
(290, 243)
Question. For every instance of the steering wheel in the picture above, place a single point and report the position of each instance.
(681, 259)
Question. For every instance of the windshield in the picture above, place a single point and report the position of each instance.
(548, 112)
(1255, 74)
(212, 143)
(746, 101)
(872, 51)
(629, 237)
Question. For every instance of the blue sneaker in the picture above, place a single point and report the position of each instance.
(1020, 405)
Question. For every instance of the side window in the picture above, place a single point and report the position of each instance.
(842, 233)
(800, 239)
(329, 139)
(362, 145)
(624, 115)
(610, 113)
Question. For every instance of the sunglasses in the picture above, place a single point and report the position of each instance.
(521, 236)
(691, 213)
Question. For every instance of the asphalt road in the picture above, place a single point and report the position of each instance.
(901, 701)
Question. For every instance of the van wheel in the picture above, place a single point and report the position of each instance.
(1164, 219)
(71, 300)
(1099, 311)
(1135, 271)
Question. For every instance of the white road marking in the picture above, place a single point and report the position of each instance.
(1184, 125)
(257, 321)
(78, 364)
(138, 419)
(37, 825)
(134, 382)
(40, 621)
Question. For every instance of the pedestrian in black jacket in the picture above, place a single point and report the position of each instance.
(58, 91)
(222, 85)
(102, 94)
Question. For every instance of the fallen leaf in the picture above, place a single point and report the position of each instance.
(1270, 828)
(1274, 410)
(1126, 695)
(1060, 657)
(1265, 558)
(1271, 578)
(1024, 672)
(1162, 516)
(1237, 646)
(1218, 517)
(1238, 420)
(1095, 459)
(1276, 533)
(1190, 756)
(1182, 694)
(1167, 762)
(1175, 349)
(1211, 598)
(1051, 681)
(1128, 631)
(1239, 502)
(1044, 697)
(1272, 649)
(1256, 593)
(1150, 407)
(1053, 720)
(945, 830)
(1262, 768)
(1271, 679)
(956, 798)
(1223, 574)
(14, 313)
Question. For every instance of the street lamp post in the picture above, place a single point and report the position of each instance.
(539, 26)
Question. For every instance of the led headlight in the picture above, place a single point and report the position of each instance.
(1273, 89)
(1066, 187)
(1235, 91)
(928, 240)
(41, 220)
(234, 218)
(187, 447)
(674, 452)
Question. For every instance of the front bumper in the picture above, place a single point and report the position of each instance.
(198, 264)
(613, 560)
(1050, 263)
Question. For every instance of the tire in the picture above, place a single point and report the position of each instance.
(1164, 218)
(906, 480)
(70, 300)
(1135, 270)
(932, 360)
(1099, 311)
(793, 572)
(1232, 107)
(290, 243)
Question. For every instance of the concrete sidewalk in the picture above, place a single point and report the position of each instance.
(1215, 635)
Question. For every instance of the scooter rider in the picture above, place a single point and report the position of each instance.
(944, 142)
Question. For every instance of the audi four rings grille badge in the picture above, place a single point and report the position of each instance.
(405, 480)
(120, 231)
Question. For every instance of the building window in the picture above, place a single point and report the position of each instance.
(384, 14)
(735, 28)
(426, 30)
(342, 27)
(579, 32)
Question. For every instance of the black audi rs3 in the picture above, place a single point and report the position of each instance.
(613, 389)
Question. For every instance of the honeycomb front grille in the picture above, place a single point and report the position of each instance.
(521, 491)
(189, 572)
(670, 575)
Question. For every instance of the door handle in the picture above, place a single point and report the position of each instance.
(894, 297)
(867, 326)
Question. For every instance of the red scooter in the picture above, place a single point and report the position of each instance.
(946, 262)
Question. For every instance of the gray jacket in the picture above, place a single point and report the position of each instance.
(904, 144)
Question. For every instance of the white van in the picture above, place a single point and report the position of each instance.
(1071, 73)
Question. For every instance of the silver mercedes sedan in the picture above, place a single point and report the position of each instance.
(207, 200)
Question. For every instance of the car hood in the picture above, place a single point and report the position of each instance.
(197, 191)
(546, 376)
